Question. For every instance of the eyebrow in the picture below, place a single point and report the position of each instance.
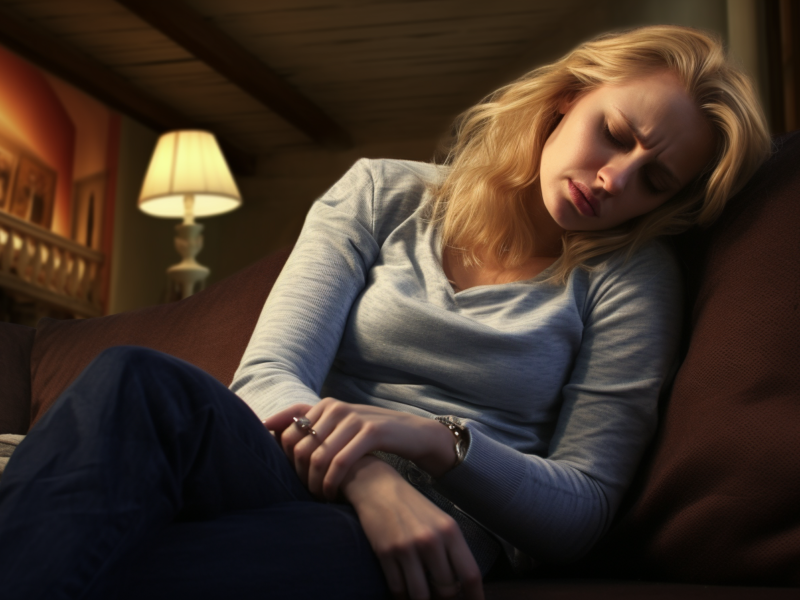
(642, 139)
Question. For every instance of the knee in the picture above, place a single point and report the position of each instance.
(131, 379)
(149, 374)
(125, 357)
(119, 381)
(130, 366)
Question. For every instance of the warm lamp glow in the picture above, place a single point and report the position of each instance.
(188, 164)
(188, 178)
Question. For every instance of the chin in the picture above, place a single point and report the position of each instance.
(568, 218)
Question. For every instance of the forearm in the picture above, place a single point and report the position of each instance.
(547, 509)
(300, 327)
(368, 476)
(421, 549)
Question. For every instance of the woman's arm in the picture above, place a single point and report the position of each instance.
(344, 433)
(555, 507)
(295, 340)
(420, 548)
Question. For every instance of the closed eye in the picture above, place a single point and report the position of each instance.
(610, 137)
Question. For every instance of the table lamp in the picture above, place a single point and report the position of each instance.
(188, 177)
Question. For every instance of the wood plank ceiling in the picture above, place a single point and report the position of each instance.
(376, 69)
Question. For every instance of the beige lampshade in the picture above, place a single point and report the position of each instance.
(188, 162)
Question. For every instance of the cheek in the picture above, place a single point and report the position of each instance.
(544, 161)
(552, 152)
(650, 206)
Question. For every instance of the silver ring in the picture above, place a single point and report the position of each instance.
(304, 425)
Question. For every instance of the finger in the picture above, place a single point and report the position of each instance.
(414, 575)
(314, 414)
(441, 576)
(394, 577)
(359, 445)
(301, 452)
(309, 444)
(282, 424)
(281, 420)
(290, 437)
(335, 425)
(299, 444)
(465, 568)
(327, 454)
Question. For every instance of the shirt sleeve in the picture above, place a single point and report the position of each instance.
(554, 508)
(301, 324)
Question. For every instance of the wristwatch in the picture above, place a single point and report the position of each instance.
(461, 435)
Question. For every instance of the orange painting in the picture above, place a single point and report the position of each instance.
(34, 192)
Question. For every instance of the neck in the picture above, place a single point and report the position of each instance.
(547, 233)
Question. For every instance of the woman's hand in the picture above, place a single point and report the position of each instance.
(421, 549)
(343, 433)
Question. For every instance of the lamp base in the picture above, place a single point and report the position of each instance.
(188, 275)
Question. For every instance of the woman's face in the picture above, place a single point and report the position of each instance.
(621, 151)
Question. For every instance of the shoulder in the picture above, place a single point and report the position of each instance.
(649, 275)
(653, 261)
(400, 188)
(386, 174)
(389, 171)
(379, 193)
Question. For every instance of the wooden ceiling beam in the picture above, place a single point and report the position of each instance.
(208, 43)
(84, 72)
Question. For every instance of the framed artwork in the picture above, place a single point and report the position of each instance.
(34, 192)
(88, 200)
(9, 158)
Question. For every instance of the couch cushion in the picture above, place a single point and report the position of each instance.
(720, 499)
(16, 343)
(210, 330)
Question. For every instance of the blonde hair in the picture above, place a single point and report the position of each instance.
(494, 160)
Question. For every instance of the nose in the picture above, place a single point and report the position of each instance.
(615, 175)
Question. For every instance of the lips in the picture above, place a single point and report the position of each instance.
(583, 199)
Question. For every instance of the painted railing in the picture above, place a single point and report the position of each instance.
(49, 268)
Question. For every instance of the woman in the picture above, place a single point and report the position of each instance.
(516, 294)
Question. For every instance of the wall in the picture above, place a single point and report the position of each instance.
(747, 46)
(710, 15)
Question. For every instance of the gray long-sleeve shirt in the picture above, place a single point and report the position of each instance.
(557, 385)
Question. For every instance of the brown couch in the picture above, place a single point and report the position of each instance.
(715, 509)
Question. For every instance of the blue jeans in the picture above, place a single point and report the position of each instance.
(149, 479)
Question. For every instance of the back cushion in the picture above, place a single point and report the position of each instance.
(16, 343)
(719, 501)
(210, 330)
